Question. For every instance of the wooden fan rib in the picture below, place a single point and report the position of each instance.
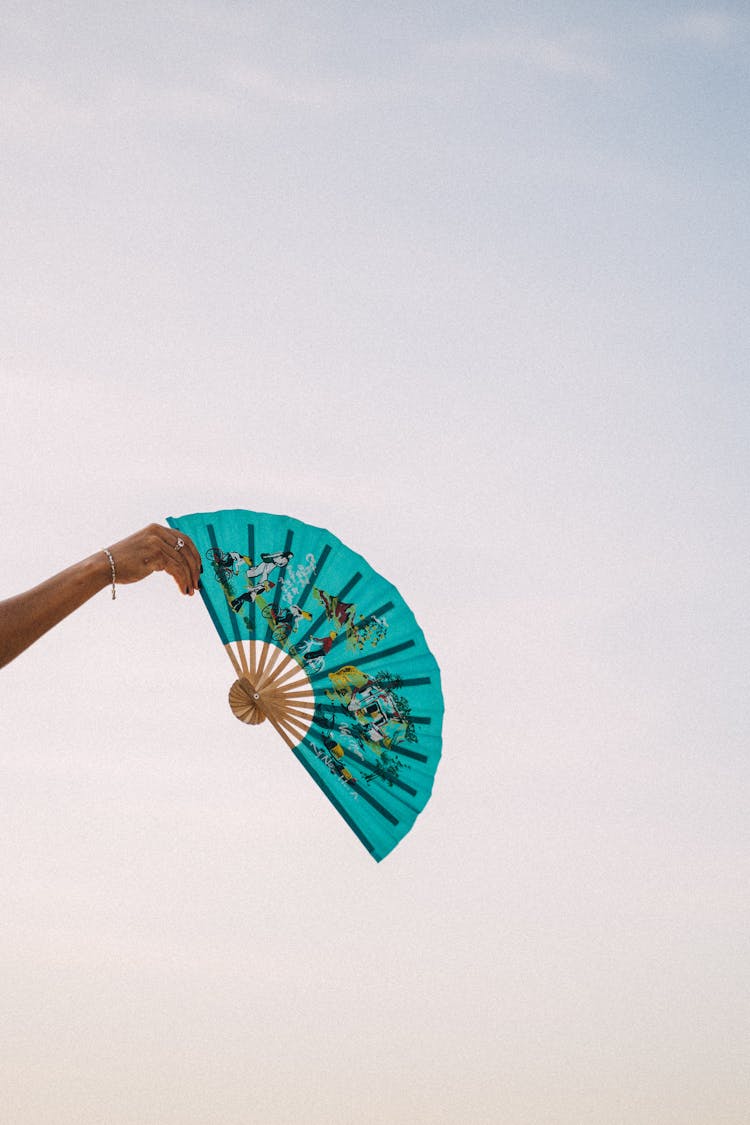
(292, 685)
(235, 663)
(243, 657)
(298, 691)
(293, 731)
(289, 697)
(276, 687)
(297, 669)
(299, 730)
(271, 670)
(280, 711)
(283, 700)
(272, 662)
(273, 676)
(259, 672)
(277, 727)
(294, 696)
(303, 718)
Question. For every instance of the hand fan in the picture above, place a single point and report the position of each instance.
(328, 652)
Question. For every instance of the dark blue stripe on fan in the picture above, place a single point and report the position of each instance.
(404, 753)
(334, 800)
(393, 781)
(350, 584)
(358, 661)
(312, 631)
(321, 562)
(251, 555)
(375, 804)
(376, 613)
(292, 642)
(355, 785)
(232, 615)
(277, 592)
(363, 623)
(351, 757)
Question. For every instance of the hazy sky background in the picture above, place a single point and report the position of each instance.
(468, 285)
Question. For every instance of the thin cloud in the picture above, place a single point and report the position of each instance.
(566, 56)
(35, 105)
(32, 105)
(29, 105)
(707, 27)
(267, 86)
(179, 102)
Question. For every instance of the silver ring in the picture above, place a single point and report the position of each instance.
(179, 544)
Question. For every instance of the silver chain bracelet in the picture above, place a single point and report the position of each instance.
(112, 565)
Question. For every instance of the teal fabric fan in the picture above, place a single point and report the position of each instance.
(328, 652)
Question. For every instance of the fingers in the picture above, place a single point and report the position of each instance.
(167, 559)
(155, 548)
(188, 550)
(183, 563)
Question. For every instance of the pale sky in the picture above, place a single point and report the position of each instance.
(468, 286)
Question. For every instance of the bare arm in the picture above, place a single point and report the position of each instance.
(26, 617)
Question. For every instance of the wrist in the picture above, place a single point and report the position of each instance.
(95, 572)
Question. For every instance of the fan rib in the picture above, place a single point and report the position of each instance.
(295, 695)
(235, 663)
(273, 662)
(294, 727)
(291, 685)
(293, 669)
(291, 703)
(293, 714)
(265, 680)
(277, 727)
(262, 662)
(280, 704)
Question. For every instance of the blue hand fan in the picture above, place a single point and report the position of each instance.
(328, 652)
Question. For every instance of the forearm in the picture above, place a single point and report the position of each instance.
(26, 617)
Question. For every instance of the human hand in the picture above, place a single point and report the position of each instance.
(157, 548)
